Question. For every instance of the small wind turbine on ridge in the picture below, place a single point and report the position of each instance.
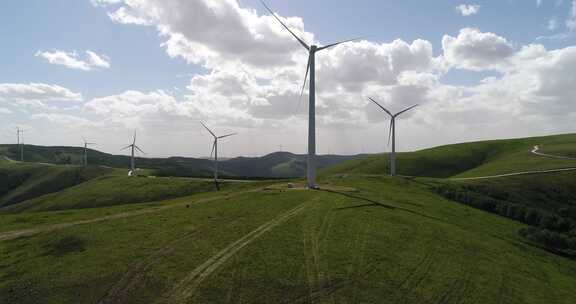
(85, 156)
(133, 147)
(392, 133)
(215, 153)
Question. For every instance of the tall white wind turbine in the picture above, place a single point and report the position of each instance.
(133, 147)
(311, 68)
(392, 133)
(215, 152)
(85, 156)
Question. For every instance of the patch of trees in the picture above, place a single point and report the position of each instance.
(554, 231)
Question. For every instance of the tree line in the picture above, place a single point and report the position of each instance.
(555, 231)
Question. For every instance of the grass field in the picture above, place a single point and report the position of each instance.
(468, 159)
(115, 190)
(366, 238)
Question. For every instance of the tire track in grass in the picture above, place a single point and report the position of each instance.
(318, 281)
(132, 279)
(186, 288)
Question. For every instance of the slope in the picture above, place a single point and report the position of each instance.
(23, 181)
(467, 159)
(387, 241)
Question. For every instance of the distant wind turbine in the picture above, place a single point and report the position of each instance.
(85, 158)
(20, 134)
(311, 68)
(133, 147)
(392, 133)
(215, 153)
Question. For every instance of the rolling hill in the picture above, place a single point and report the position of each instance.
(364, 238)
(275, 165)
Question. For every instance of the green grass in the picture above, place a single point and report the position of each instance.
(390, 241)
(115, 190)
(467, 160)
(371, 239)
(24, 181)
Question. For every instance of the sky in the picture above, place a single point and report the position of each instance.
(102, 69)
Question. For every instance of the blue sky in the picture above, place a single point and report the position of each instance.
(139, 62)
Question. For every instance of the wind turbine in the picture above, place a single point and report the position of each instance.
(85, 158)
(392, 133)
(215, 152)
(133, 147)
(20, 142)
(311, 68)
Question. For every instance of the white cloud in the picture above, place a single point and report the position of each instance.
(468, 9)
(571, 22)
(552, 24)
(38, 92)
(104, 2)
(5, 111)
(255, 71)
(71, 60)
(476, 50)
(538, 3)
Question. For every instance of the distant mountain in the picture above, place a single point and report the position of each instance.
(275, 165)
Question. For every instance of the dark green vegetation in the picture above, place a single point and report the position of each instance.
(275, 165)
(365, 238)
(20, 182)
(116, 190)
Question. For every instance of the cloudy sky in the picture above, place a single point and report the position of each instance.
(103, 68)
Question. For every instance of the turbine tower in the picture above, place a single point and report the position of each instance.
(133, 147)
(311, 68)
(20, 142)
(85, 157)
(215, 153)
(392, 133)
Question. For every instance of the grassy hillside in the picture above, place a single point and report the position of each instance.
(116, 190)
(389, 241)
(20, 182)
(467, 159)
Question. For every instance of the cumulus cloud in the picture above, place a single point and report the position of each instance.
(476, 50)
(71, 60)
(468, 9)
(255, 71)
(571, 22)
(19, 92)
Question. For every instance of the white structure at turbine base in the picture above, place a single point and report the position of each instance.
(392, 133)
(133, 147)
(312, 50)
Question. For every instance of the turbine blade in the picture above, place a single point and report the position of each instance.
(381, 107)
(223, 136)
(286, 27)
(208, 129)
(405, 110)
(213, 147)
(138, 148)
(390, 131)
(305, 79)
(337, 43)
(134, 142)
(128, 146)
(84, 139)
